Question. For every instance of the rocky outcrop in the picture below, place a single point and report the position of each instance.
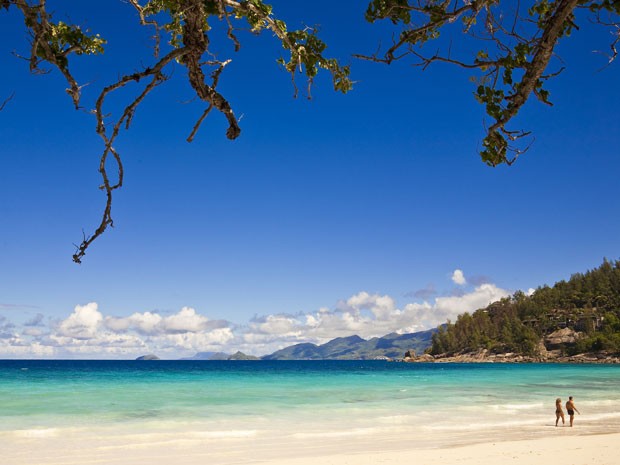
(484, 356)
(561, 338)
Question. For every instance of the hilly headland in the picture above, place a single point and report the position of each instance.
(577, 320)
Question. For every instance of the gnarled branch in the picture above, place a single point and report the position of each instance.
(185, 23)
(516, 45)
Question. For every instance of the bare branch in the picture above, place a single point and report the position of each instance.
(221, 5)
(613, 46)
(157, 77)
(215, 76)
(152, 23)
(186, 22)
(7, 100)
(190, 138)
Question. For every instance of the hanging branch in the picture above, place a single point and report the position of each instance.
(515, 47)
(157, 77)
(555, 27)
(185, 23)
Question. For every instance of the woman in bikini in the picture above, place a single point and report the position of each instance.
(559, 413)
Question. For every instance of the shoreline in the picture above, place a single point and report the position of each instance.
(575, 449)
(562, 446)
(311, 414)
(485, 356)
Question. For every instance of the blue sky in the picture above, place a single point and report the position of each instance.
(327, 217)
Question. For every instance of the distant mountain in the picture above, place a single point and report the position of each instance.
(241, 356)
(148, 357)
(220, 356)
(355, 348)
(205, 356)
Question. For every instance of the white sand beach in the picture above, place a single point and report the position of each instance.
(573, 450)
(560, 447)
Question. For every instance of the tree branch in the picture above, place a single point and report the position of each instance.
(554, 29)
(7, 100)
(185, 22)
(158, 77)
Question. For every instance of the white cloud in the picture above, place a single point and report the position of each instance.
(281, 325)
(187, 320)
(86, 332)
(198, 342)
(82, 323)
(382, 307)
(481, 296)
(12, 349)
(458, 277)
(367, 315)
(144, 323)
(386, 317)
(36, 332)
(148, 323)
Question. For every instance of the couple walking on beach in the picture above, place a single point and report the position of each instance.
(570, 409)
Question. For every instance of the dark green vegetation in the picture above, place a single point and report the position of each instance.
(355, 348)
(508, 47)
(587, 303)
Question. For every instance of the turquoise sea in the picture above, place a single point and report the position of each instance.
(221, 404)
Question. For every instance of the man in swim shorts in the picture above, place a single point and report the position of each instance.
(571, 409)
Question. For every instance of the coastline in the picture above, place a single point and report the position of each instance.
(484, 356)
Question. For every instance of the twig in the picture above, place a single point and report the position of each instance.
(7, 100)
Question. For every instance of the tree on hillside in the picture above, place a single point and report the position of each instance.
(514, 44)
(588, 302)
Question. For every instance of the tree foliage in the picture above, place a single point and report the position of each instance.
(513, 43)
(182, 37)
(588, 302)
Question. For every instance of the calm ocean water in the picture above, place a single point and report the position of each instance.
(303, 401)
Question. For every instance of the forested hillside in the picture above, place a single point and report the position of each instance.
(588, 303)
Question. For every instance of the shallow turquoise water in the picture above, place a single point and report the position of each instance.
(444, 403)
